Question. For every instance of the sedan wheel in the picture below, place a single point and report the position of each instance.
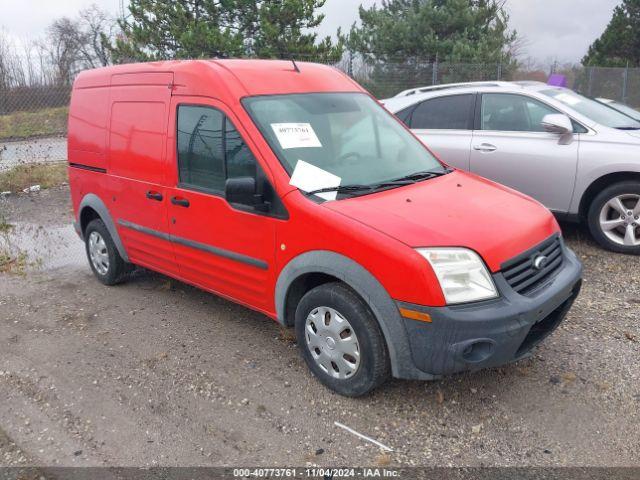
(620, 220)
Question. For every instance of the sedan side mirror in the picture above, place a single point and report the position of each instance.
(557, 123)
(242, 191)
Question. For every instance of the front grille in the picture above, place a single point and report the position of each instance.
(524, 276)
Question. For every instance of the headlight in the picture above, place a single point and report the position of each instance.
(462, 274)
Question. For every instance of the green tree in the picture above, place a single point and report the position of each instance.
(423, 30)
(401, 39)
(281, 28)
(164, 29)
(620, 42)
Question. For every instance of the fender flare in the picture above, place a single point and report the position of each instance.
(370, 290)
(91, 200)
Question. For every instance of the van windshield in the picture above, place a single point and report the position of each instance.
(347, 138)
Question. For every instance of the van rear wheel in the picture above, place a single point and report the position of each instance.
(340, 340)
(104, 258)
(614, 218)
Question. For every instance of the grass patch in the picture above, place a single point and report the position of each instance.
(45, 122)
(5, 226)
(46, 175)
(15, 264)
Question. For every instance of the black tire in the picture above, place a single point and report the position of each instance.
(118, 269)
(593, 216)
(374, 367)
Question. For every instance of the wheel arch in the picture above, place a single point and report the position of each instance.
(314, 268)
(601, 183)
(92, 207)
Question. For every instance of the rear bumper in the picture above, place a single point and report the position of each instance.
(492, 333)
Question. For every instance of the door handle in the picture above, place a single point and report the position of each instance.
(181, 202)
(485, 147)
(157, 196)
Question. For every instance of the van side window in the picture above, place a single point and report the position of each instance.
(201, 147)
(210, 149)
(240, 161)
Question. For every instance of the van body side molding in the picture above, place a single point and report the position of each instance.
(220, 252)
(88, 167)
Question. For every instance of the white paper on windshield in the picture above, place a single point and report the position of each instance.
(308, 178)
(568, 99)
(296, 135)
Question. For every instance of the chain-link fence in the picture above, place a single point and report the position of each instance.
(622, 84)
(385, 79)
(33, 125)
(33, 120)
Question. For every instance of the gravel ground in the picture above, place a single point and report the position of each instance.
(155, 372)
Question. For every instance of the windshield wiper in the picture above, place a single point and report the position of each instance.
(391, 184)
(341, 189)
(417, 176)
(361, 188)
(628, 128)
(398, 182)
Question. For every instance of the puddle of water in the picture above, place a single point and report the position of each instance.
(45, 247)
(32, 151)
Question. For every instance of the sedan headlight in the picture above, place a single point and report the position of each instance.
(462, 274)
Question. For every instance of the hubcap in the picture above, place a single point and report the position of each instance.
(98, 253)
(620, 220)
(332, 342)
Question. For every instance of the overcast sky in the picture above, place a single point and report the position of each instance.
(554, 29)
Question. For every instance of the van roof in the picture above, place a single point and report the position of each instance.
(238, 77)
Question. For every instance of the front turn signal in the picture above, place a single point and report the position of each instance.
(415, 315)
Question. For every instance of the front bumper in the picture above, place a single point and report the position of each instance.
(495, 332)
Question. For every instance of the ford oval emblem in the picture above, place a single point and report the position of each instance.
(540, 262)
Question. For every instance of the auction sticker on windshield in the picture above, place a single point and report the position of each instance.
(296, 135)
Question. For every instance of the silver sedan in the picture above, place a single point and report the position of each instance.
(578, 157)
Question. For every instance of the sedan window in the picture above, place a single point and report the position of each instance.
(453, 112)
(626, 109)
(596, 111)
(513, 113)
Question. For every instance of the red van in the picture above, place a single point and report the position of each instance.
(287, 188)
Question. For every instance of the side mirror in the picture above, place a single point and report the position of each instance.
(557, 123)
(242, 191)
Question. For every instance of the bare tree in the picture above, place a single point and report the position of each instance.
(97, 29)
(4, 60)
(32, 71)
(61, 45)
(71, 45)
(12, 68)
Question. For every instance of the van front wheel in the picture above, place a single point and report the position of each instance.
(104, 258)
(340, 340)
